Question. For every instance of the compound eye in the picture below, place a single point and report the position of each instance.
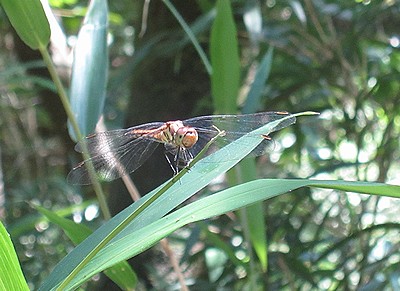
(189, 138)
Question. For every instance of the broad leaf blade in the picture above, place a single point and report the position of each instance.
(29, 21)
(11, 277)
(90, 69)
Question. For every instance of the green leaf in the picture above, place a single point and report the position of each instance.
(121, 273)
(216, 241)
(90, 69)
(258, 234)
(77, 233)
(254, 217)
(225, 77)
(28, 222)
(29, 21)
(11, 277)
(200, 175)
(252, 103)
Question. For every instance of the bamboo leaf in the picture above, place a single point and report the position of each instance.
(29, 21)
(225, 77)
(90, 69)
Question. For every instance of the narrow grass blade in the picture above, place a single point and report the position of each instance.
(253, 100)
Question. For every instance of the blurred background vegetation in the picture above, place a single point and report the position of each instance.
(339, 58)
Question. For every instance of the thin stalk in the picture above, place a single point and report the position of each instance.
(124, 223)
(67, 107)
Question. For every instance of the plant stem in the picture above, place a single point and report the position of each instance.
(67, 107)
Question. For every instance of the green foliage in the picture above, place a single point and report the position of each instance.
(339, 58)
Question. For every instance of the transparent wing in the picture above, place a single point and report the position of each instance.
(115, 153)
(235, 126)
(112, 139)
(118, 152)
(111, 165)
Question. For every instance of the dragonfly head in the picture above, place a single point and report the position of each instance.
(186, 137)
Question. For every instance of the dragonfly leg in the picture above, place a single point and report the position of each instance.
(185, 162)
(190, 159)
(171, 164)
(176, 160)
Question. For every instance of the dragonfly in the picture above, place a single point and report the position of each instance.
(116, 153)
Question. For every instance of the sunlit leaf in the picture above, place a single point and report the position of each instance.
(11, 277)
